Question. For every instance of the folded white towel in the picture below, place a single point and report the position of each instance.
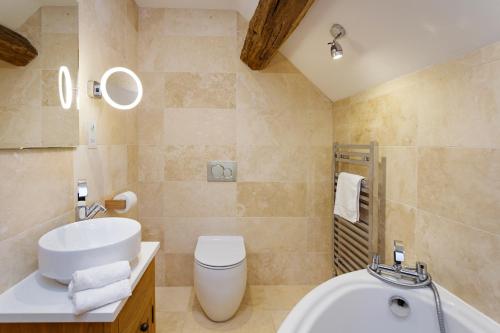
(90, 299)
(99, 276)
(347, 196)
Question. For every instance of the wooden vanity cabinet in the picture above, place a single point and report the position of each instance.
(137, 316)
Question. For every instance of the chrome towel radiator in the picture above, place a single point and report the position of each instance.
(354, 244)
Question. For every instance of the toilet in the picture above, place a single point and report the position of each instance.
(220, 275)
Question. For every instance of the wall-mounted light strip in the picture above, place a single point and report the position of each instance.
(66, 89)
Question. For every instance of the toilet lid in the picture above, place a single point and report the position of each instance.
(220, 251)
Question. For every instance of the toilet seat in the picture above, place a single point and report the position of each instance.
(219, 267)
(220, 252)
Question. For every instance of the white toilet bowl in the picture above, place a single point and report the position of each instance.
(220, 275)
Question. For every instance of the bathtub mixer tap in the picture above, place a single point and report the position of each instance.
(399, 274)
(407, 277)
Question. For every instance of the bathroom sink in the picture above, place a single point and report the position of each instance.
(85, 244)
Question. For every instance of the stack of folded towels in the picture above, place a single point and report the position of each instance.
(97, 286)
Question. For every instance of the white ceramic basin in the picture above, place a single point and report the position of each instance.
(85, 244)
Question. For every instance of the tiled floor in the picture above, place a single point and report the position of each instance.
(262, 310)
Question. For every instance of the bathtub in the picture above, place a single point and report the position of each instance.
(358, 302)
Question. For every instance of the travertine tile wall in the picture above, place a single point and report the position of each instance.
(108, 38)
(38, 186)
(30, 112)
(201, 103)
(439, 132)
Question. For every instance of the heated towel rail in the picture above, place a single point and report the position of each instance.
(354, 244)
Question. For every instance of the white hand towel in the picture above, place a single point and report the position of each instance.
(99, 276)
(347, 196)
(90, 299)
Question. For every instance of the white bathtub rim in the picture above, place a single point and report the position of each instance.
(301, 318)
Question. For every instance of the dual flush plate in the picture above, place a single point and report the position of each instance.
(221, 171)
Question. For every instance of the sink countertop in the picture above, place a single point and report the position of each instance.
(37, 299)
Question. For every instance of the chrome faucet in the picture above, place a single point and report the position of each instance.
(83, 212)
(407, 277)
(397, 273)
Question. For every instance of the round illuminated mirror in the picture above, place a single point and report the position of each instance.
(121, 88)
(65, 88)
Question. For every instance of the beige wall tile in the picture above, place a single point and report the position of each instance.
(151, 163)
(461, 184)
(133, 164)
(59, 49)
(271, 199)
(150, 126)
(400, 221)
(275, 298)
(390, 119)
(18, 254)
(190, 54)
(190, 162)
(279, 91)
(464, 270)
(50, 93)
(319, 235)
(401, 174)
(268, 126)
(194, 22)
(150, 199)
(199, 127)
(319, 199)
(272, 164)
(288, 268)
(39, 180)
(184, 199)
(459, 106)
(20, 126)
(154, 89)
(59, 19)
(181, 234)
(178, 269)
(20, 87)
(59, 127)
(213, 90)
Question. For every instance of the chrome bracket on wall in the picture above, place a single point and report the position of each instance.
(94, 89)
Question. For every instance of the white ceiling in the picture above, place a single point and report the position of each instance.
(13, 13)
(385, 38)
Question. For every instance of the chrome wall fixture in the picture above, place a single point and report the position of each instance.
(337, 31)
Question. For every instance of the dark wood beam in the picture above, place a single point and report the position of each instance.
(15, 48)
(272, 23)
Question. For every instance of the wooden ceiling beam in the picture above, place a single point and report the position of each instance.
(272, 23)
(15, 48)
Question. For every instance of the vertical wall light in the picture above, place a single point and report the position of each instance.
(65, 88)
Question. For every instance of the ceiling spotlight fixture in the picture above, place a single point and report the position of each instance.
(337, 31)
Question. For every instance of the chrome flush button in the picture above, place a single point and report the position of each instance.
(221, 171)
